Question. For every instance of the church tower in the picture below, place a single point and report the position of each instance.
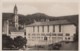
(16, 17)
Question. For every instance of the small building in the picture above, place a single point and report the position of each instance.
(53, 31)
(14, 33)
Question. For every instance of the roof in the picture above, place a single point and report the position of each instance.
(13, 29)
(57, 22)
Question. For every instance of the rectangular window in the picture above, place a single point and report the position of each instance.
(59, 28)
(28, 34)
(48, 28)
(48, 34)
(38, 28)
(33, 28)
(42, 34)
(67, 34)
(60, 34)
(53, 34)
(42, 28)
(25, 33)
(33, 34)
(53, 28)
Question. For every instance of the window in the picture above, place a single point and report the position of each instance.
(60, 34)
(28, 34)
(53, 28)
(33, 34)
(67, 34)
(38, 34)
(60, 38)
(59, 28)
(69, 38)
(48, 37)
(41, 38)
(66, 38)
(42, 28)
(29, 37)
(33, 28)
(42, 34)
(48, 28)
(53, 38)
(25, 33)
(53, 34)
(38, 28)
(48, 34)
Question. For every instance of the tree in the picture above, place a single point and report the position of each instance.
(7, 42)
(75, 38)
(19, 42)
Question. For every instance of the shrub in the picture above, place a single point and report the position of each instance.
(7, 42)
(19, 42)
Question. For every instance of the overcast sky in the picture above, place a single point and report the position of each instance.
(52, 9)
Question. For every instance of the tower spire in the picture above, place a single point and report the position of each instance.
(15, 9)
(16, 17)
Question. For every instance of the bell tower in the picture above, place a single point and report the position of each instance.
(16, 17)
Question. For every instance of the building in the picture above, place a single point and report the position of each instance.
(41, 33)
(13, 30)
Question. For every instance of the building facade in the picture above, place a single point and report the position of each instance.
(53, 31)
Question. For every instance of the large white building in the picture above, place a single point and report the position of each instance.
(41, 33)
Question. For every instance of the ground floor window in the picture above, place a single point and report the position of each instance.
(67, 38)
(67, 34)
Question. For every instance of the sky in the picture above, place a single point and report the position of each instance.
(51, 9)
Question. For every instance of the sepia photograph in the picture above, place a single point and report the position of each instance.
(40, 26)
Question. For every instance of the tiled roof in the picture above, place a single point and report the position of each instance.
(57, 22)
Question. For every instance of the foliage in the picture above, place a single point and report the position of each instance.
(55, 46)
(19, 42)
(28, 19)
(75, 38)
(7, 42)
